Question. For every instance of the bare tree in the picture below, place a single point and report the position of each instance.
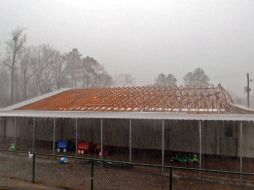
(26, 73)
(171, 81)
(123, 80)
(14, 46)
(103, 80)
(40, 69)
(99, 77)
(74, 66)
(92, 74)
(59, 70)
(197, 78)
(4, 84)
(87, 71)
(168, 81)
(46, 83)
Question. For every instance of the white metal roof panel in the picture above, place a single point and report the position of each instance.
(129, 115)
(33, 100)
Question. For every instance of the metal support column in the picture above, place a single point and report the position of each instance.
(248, 90)
(33, 145)
(200, 145)
(76, 138)
(241, 151)
(101, 151)
(15, 124)
(130, 143)
(4, 128)
(162, 146)
(54, 137)
(1, 127)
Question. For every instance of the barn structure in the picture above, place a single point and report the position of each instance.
(140, 124)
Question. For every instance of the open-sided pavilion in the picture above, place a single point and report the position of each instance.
(210, 123)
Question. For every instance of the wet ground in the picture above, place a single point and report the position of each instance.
(16, 173)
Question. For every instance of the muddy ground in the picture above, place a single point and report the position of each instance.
(16, 173)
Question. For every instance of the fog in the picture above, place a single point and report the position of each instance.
(144, 38)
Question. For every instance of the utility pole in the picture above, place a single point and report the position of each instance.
(248, 90)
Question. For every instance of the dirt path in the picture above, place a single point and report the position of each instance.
(17, 184)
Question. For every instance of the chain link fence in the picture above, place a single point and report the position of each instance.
(141, 154)
(95, 174)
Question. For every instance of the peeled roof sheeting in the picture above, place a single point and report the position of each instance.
(140, 99)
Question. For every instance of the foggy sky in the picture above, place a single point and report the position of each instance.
(144, 37)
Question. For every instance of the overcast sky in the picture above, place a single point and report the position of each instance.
(144, 37)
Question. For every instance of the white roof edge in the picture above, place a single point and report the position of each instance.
(127, 115)
(33, 100)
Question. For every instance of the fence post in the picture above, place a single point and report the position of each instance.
(33, 171)
(170, 179)
(101, 139)
(92, 167)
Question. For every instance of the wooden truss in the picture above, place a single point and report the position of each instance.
(140, 99)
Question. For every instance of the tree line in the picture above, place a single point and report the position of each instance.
(196, 78)
(27, 72)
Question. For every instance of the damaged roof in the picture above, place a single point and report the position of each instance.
(138, 99)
